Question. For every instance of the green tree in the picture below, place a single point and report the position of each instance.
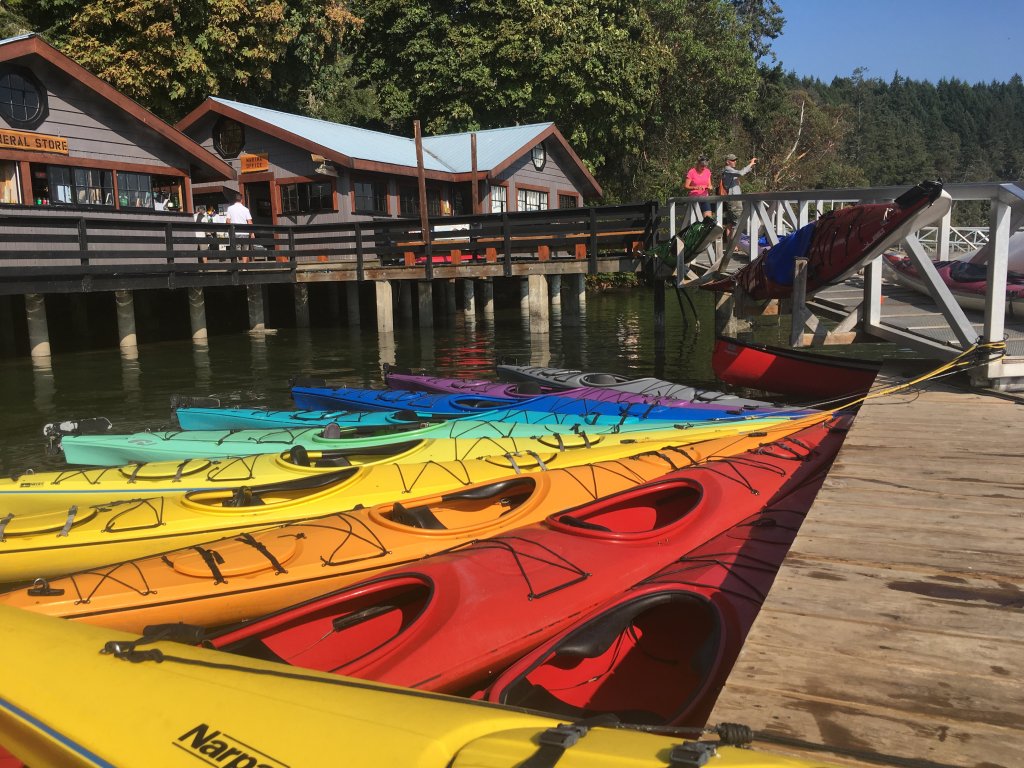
(637, 89)
(170, 56)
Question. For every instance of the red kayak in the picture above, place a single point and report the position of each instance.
(454, 621)
(660, 653)
(836, 244)
(791, 372)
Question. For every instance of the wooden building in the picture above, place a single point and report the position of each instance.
(70, 142)
(295, 170)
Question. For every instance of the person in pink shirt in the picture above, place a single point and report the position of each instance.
(698, 182)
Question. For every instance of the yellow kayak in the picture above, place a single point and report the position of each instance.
(201, 707)
(107, 528)
(241, 577)
(78, 485)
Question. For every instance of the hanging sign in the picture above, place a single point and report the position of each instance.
(255, 162)
(33, 142)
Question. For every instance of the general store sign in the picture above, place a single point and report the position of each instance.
(258, 161)
(33, 142)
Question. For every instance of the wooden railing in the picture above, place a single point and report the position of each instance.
(55, 247)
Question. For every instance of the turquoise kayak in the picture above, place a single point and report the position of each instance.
(111, 450)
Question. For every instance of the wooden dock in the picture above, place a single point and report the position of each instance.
(894, 634)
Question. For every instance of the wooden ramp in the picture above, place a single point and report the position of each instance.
(894, 634)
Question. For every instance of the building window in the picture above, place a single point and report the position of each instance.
(539, 156)
(308, 197)
(10, 183)
(568, 201)
(532, 200)
(459, 207)
(94, 186)
(228, 137)
(433, 202)
(167, 193)
(371, 196)
(134, 190)
(22, 98)
(409, 201)
(499, 199)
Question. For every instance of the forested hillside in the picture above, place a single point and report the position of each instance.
(638, 88)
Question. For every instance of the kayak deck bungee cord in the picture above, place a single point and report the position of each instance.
(420, 509)
(58, 540)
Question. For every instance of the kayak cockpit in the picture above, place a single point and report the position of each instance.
(471, 507)
(645, 660)
(331, 633)
(644, 510)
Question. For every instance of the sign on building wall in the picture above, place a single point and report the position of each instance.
(255, 162)
(33, 142)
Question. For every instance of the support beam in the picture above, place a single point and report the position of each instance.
(197, 315)
(405, 301)
(425, 296)
(524, 296)
(449, 298)
(301, 291)
(485, 287)
(257, 323)
(124, 301)
(555, 289)
(468, 297)
(333, 302)
(575, 299)
(539, 314)
(385, 306)
(38, 331)
(352, 303)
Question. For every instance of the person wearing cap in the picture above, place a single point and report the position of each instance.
(698, 182)
(731, 186)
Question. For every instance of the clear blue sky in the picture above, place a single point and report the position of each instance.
(974, 41)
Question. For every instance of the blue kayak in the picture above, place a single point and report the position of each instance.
(422, 402)
(201, 418)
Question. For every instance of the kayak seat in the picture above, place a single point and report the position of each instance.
(299, 456)
(243, 497)
(514, 487)
(576, 522)
(414, 517)
(528, 388)
(332, 431)
(333, 461)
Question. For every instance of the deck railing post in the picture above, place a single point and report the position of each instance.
(998, 264)
(942, 246)
(592, 269)
(671, 218)
(291, 243)
(506, 241)
(360, 254)
(169, 241)
(83, 239)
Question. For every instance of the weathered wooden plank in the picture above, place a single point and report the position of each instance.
(895, 630)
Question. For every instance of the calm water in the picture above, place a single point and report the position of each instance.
(134, 394)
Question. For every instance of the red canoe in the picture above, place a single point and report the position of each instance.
(453, 621)
(660, 653)
(836, 244)
(791, 372)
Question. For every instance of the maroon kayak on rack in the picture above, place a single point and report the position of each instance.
(791, 372)
(453, 621)
(836, 244)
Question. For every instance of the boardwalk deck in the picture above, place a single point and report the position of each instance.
(894, 634)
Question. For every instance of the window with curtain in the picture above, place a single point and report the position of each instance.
(499, 199)
(532, 200)
(10, 186)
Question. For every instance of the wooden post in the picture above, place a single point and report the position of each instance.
(421, 178)
(476, 179)
(799, 302)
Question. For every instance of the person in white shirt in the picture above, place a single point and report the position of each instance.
(237, 213)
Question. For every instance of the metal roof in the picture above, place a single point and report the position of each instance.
(16, 38)
(449, 153)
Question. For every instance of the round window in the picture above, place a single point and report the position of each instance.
(22, 98)
(228, 137)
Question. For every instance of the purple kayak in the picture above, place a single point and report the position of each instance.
(403, 378)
